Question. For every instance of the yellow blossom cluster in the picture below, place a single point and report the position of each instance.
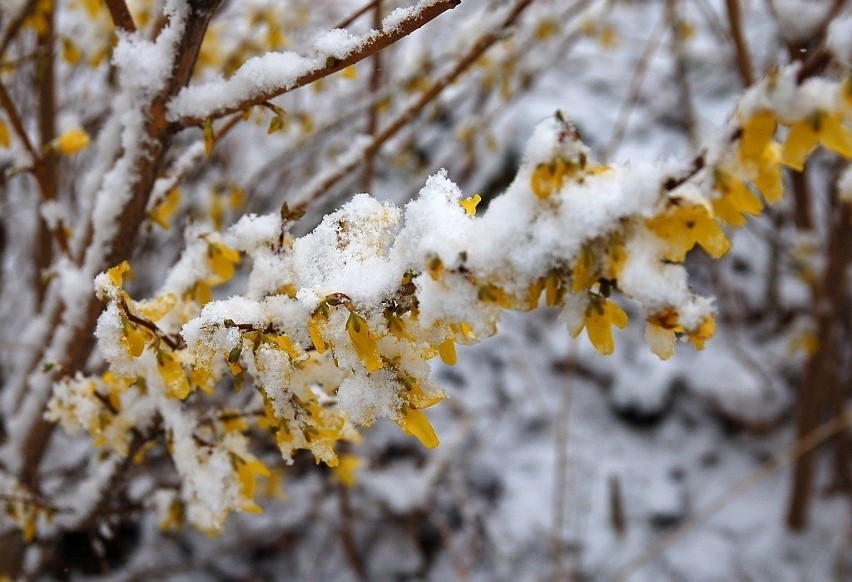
(308, 370)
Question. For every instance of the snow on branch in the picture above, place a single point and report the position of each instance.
(273, 74)
(335, 329)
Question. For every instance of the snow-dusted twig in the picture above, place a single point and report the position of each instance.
(264, 78)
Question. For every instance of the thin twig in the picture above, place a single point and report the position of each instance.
(684, 91)
(358, 14)
(642, 66)
(319, 188)
(736, 27)
(375, 85)
(375, 43)
(15, 25)
(562, 483)
(800, 447)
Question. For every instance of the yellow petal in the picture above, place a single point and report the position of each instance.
(71, 142)
(600, 332)
(801, 141)
(116, 274)
(314, 323)
(364, 343)
(769, 180)
(416, 423)
(447, 351)
(173, 376)
(757, 133)
(661, 340)
(834, 135)
(5, 140)
(162, 212)
(469, 204)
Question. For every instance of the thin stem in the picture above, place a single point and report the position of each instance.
(375, 85)
(376, 43)
(405, 117)
(736, 27)
(635, 89)
(800, 447)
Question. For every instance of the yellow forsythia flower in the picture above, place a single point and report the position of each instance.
(364, 343)
(823, 128)
(601, 315)
(222, 259)
(469, 204)
(173, 375)
(758, 132)
(116, 274)
(682, 227)
(736, 200)
(247, 473)
(71, 142)
(163, 212)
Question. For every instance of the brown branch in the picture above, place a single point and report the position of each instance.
(45, 81)
(373, 45)
(121, 16)
(15, 26)
(406, 116)
(822, 371)
(76, 346)
(375, 85)
(173, 343)
(743, 58)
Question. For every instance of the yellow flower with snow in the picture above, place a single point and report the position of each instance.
(174, 377)
(684, 226)
(584, 272)
(601, 315)
(705, 330)
(469, 204)
(134, 337)
(547, 179)
(364, 343)
(116, 273)
(71, 142)
(828, 129)
(661, 332)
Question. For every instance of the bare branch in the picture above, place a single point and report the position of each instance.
(374, 42)
(120, 14)
(318, 189)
